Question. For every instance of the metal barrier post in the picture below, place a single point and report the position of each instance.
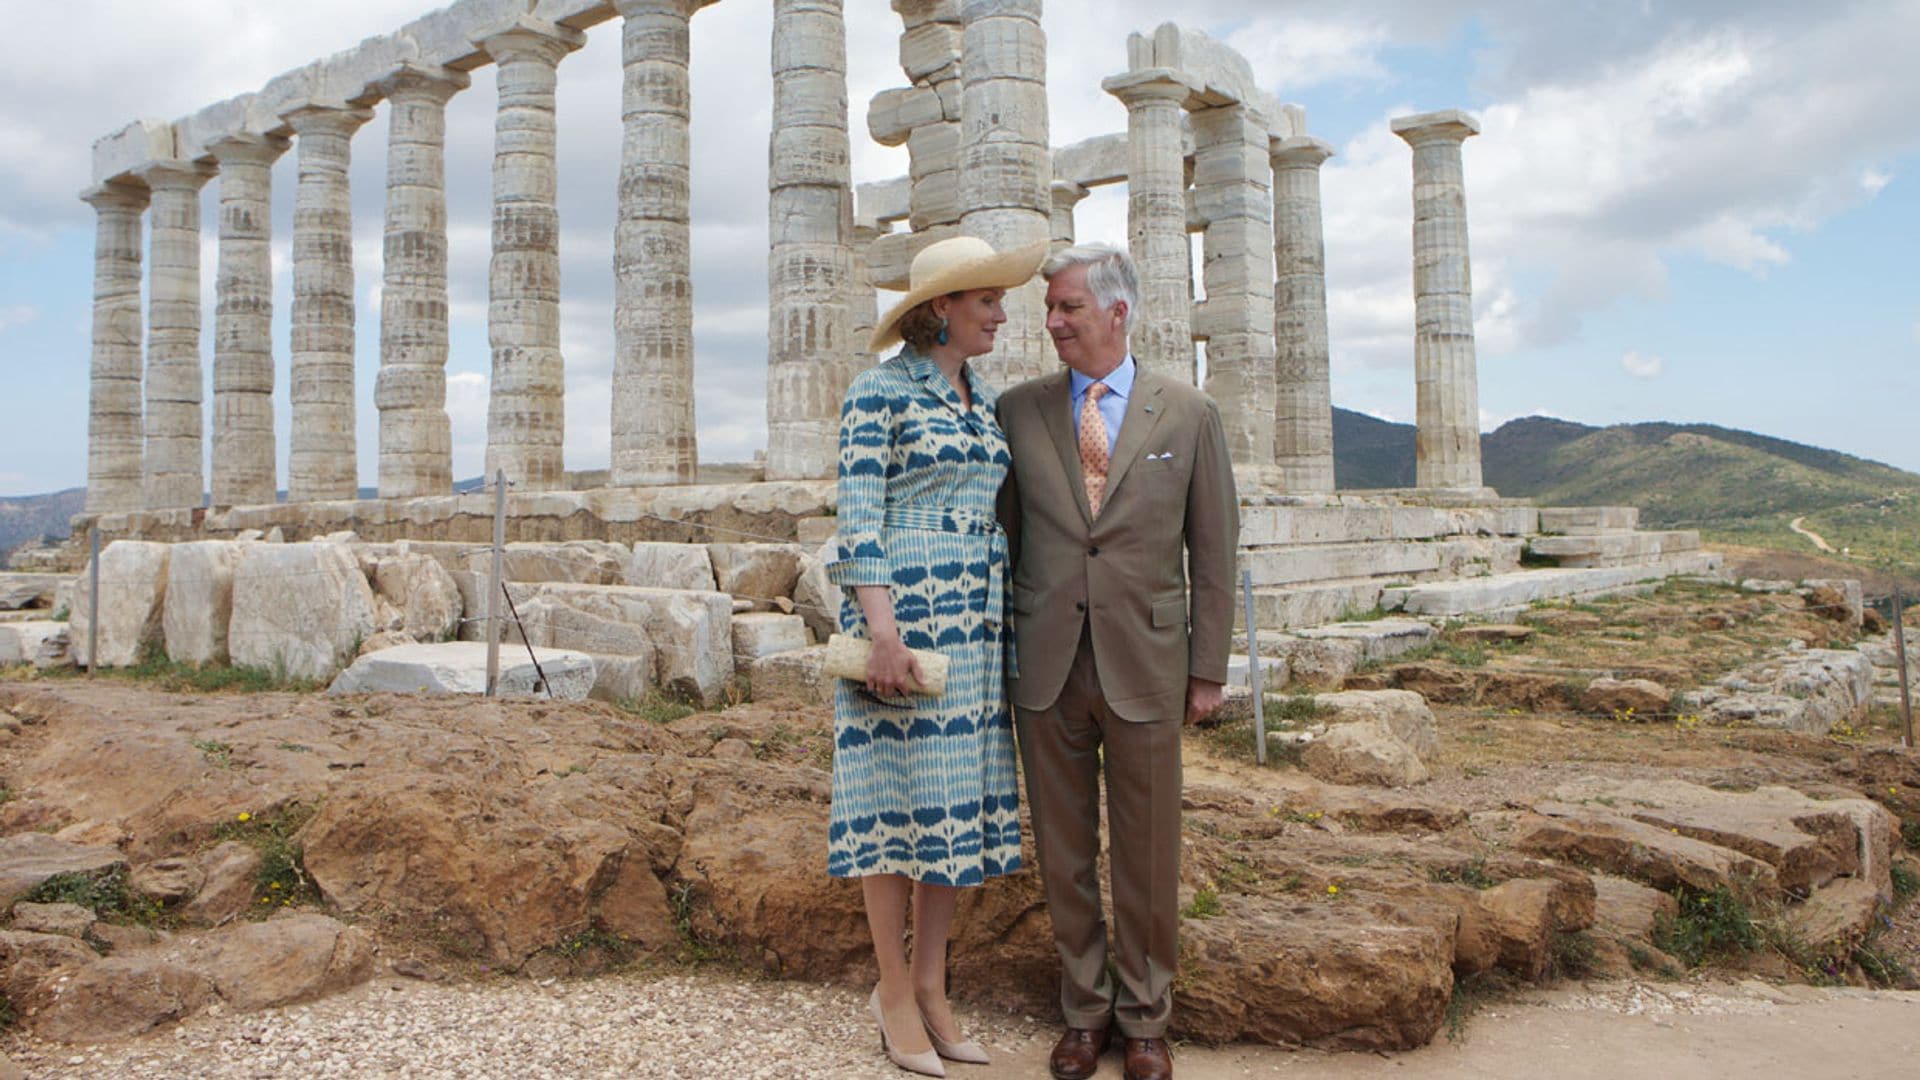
(1254, 679)
(1900, 660)
(93, 604)
(494, 586)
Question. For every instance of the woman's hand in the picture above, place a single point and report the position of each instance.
(892, 669)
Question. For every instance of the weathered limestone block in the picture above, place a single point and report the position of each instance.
(618, 679)
(116, 998)
(460, 667)
(133, 585)
(757, 572)
(27, 958)
(1839, 599)
(1836, 918)
(27, 860)
(758, 635)
(815, 597)
(21, 591)
(423, 594)
(301, 609)
(67, 920)
(228, 875)
(1404, 712)
(799, 675)
(1643, 698)
(670, 566)
(895, 114)
(1633, 849)
(1364, 752)
(22, 642)
(199, 601)
(554, 624)
(1805, 690)
(691, 631)
(293, 957)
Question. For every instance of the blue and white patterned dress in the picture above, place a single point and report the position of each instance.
(926, 787)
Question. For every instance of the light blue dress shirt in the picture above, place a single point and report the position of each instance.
(1113, 406)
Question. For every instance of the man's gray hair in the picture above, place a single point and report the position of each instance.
(1110, 274)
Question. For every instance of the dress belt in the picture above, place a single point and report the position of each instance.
(970, 523)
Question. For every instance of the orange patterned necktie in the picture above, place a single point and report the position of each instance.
(1093, 447)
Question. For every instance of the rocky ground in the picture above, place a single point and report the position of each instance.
(427, 862)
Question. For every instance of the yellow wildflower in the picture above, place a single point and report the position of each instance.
(1333, 890)
(243, 816)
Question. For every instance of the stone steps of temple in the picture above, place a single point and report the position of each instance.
(1588, 519)
(1603, 549)
(1503, 595)
(1347, 522)
(1389, 559)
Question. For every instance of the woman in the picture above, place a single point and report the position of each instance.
(924, 796)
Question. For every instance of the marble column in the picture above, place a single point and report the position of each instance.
(810, 226)
(1233, 195)
(526, 405)
(173, 475)
(1157, 220)
(1303, 409)
(244, 470)
(321, 458)
(653, 419)
(116, 439)
(1446, 383)
(416, 441)
(863, 304)
(1066, 196)
(1006, 165)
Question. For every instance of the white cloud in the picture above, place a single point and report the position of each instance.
(17, 315)
(1642, 365)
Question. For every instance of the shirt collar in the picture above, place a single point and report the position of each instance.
(1119, 381)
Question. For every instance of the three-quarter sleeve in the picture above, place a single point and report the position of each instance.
(867, 420)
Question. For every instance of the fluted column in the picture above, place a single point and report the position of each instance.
(416, 440)
(863, 304)
(1006, 165)
(526, 406)
(810, 219)
(173, 475)
(653, 421)
(1303, 408)
(243, 469)
(1446, 382)
(1066, 196)
(116, 438)
(321, 459)
(1157, 221)
(1233, 195)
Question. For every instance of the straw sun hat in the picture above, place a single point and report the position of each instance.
(957, 265)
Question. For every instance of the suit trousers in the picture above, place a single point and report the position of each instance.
(1065, 749)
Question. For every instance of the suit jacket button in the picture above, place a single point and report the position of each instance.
(1079, 605)
(1094, 550)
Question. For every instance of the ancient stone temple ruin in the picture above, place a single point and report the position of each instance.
(1205, 151)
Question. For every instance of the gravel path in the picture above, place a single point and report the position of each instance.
(711, 1026)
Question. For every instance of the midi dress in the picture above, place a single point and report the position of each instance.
(924, 786)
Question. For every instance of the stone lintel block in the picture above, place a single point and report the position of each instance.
(883, 201)
(524, 27)
(242, 117)
(582, 14)
(893, 114)
(1452, 124)
(1093, 162)
(350, 75)
(446, 37)
(452, 81)
(117, 155)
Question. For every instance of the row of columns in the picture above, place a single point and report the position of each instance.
(145, 424)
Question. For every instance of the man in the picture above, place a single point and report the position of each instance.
(1121, 484)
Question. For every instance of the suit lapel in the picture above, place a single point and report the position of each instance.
(1144, 410)
(1055, 402)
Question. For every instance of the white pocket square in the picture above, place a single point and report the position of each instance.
(1163, 456)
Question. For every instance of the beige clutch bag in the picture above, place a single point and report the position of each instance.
(847, 659)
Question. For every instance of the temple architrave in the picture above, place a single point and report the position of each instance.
(1204, 151)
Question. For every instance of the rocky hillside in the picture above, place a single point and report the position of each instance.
(24, 518)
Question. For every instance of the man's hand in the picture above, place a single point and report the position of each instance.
(1203, 698)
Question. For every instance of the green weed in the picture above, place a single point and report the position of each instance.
(1713, 923)
(658, 707)
(1472, 874)
(106, 894)
(282, 879)
(1205, 905)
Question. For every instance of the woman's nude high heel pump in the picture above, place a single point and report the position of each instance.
(966, 1051)
(926, 1062)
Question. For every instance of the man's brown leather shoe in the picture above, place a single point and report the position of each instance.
(1077, 1055)
(1149, 1059)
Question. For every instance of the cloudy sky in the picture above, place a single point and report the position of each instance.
(1696, 211)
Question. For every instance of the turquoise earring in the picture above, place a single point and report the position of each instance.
(941, 337)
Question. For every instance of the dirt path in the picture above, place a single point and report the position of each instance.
(706, 1026)
(1818, 540)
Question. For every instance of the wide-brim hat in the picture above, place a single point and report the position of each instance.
(956, 265)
